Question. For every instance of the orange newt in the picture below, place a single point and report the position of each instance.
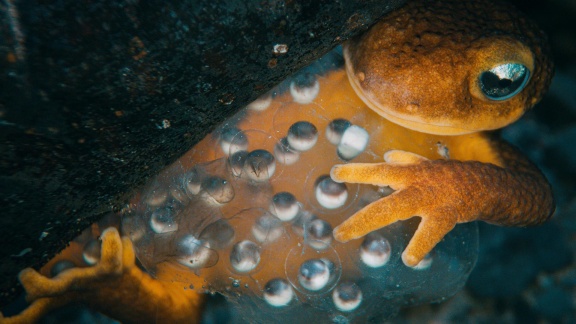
(262, 207)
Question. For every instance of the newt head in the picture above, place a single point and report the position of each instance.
(452, 67)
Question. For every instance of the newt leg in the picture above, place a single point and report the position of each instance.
(115, 286)
(444, 193)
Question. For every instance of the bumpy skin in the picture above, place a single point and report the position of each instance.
(419, 68)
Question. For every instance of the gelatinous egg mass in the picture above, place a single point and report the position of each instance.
(375, 250)
(330, 194)
(314, 274)
(284, 206)
(245, 256)
(278, 292)
(302, 136)
(250, 210)
(347, 296)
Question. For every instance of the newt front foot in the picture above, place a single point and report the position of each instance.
(436, 191)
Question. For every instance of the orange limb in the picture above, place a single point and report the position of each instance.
(115, 286)
(444, 193)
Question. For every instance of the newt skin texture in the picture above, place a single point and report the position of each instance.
(415, 71)
(418, 70)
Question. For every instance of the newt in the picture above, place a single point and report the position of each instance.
(412, 117)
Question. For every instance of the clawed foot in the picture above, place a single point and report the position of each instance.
(425, 188)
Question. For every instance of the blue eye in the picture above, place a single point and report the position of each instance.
(504, 81)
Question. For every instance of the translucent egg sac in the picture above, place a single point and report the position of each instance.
(249, 213)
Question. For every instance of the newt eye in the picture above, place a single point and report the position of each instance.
(504, 81)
